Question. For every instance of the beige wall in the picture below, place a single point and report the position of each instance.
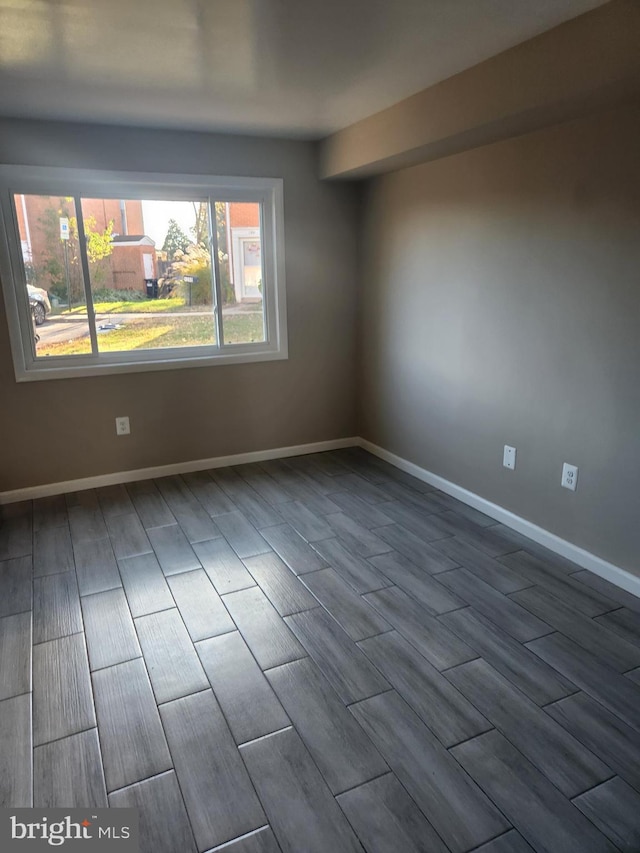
(500, 304)
(58, 430)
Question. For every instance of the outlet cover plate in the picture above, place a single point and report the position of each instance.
(122, 426)
(569, 476)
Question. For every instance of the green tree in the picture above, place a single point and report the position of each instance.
(176, 240)
(61, 258)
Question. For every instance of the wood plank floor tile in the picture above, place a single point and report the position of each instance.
(350, 673)
(293, 549)
(309, 525)
(311, 477)
(301, 487)
(450, 716)
(295, 797)
(86, 522)
(355, 537)
(16, 509)
(131, 734)
(16, 585)
(422, 555)
(575, 594)
(164, 825)
(343, 753)
(245, 696)
(197, 525)
(67, 773)
(564, 761)
(625, 623)
(593, 637)
(114, 500)
(546, 819)
(145, 585)
(50, 512)
(386, 818)
(225, 569)
(415, 521)
(609, 590)
(62, 698)
(510, 842)
(282, 588)
(269, 489)
(109, 630)
(614, 807)
(360, 511)
(431, 638)
(603, 732)
(355, 570)
(501, 610)
(16, 537)
(264, 631)
(363, 488)
(254, 507)
(327, 463)
(487, 568)
(612, 690)
(84, 497)
(15, 753)
(241, 535)
(52, 551)
(151, 507)
(452, 803)
(200, 606)
(495, 541)
(96, 566)
(174, 553)
(634, 675)
(209, 494)
(525, 670)
(128, 536)
(349, 609)
(172, 662)
(15, 654)
(56, 607)
(417, 583)
(176, 492)
(261, 841)
(220, 800)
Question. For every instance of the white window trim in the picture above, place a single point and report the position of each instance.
(41, 180)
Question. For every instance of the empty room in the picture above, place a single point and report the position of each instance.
(320, 426)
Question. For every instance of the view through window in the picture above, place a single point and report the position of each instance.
(161, 274)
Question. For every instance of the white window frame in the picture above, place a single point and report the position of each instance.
(37, 180)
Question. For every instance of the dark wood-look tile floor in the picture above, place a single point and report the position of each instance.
(314, 654)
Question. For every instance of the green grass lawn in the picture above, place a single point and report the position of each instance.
(155, 333)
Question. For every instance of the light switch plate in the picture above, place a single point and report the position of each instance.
(509, 458)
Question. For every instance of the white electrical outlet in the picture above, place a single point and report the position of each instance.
(122, 426)
(569, 476)
(509, 458)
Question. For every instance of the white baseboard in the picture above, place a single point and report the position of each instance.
(610, 572)
(48, 489)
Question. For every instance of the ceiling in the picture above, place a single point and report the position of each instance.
(301, 68)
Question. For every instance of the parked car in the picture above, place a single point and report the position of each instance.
(40, 305)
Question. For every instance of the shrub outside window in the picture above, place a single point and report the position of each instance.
(106, 273)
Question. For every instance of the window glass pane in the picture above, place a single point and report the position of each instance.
(238, 229)
(51, 256)
(151, 274)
